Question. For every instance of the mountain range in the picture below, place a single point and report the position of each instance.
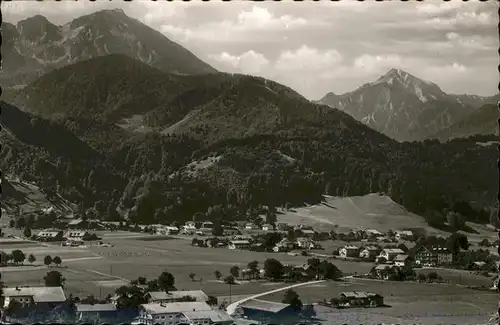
(405, 107)
(154, 142)
(35, 46)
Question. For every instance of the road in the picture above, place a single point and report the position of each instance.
(232, 307)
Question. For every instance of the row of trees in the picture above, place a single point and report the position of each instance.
(17, 256)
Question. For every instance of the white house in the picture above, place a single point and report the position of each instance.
(77, 235)
(369, 252)
(239, 244)
(283, 246)
(404, 235)
(195, 313)
(267, 227)
(401, 260)
(50, 235)
(389, 254)
(373, 233)
(305, 243)
(28, 296)
(349, 251)
(169, 314)
(251, 226)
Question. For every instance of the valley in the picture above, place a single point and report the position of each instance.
(132, 166)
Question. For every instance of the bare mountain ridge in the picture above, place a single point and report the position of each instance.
(35, 46)
(405, 107)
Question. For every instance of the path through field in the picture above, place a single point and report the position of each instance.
(232, 307)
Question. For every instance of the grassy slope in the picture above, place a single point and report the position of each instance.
(371, 211)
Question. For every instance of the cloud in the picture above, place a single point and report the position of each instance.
(247, 63)
(307, 59)
(377, 63)
(322, 46)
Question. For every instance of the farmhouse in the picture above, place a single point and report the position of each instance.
(267, 311)
(239, 244)
(383, 271)
(349, 251)
(284, 245)
(305, 243)
(404, 235)
(433, 255)
(85, 224)
(50, 235)
(77, 235)
(389, 254)
(171, 313)
(307, 232)
(46, 297)
(267, 227)
(402, 260)
(97, 312)
(373, 233)
(251, 226)
(362, 298)
(369, 252)
(175, 296)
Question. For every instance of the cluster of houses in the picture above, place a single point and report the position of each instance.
(70, 237)
(357, 299)
(168, 308)
(165, 308)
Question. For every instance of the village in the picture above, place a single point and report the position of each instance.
(285, 256)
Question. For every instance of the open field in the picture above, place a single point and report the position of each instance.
(372, 211)
(407, 300)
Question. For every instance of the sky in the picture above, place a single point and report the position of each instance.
(319, 47)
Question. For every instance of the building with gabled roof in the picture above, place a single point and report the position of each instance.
(29, 296)
(175, 296)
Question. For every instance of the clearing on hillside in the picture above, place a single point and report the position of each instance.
(372, 211)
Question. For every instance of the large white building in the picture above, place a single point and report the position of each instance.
(29, 296)
(194, 313)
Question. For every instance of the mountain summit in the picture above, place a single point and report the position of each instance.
(35, 46)
(403, 106)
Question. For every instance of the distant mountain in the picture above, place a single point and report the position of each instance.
(483, 121)
(403, 106)
(34, 46)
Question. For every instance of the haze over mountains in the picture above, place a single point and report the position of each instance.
(158, 139)
(405, 107)
(34, 46)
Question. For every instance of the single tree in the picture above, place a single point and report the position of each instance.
(18, 256)
(47, 260)
(229, 280)
(57, 260)
(191, 276)
(421, 277)
(235, 271)
(31, 258)
(217, 274)
(54, 279)
(27, 232)
(141, 280)
(212, 301)
(166, 281)
(292, 298)
(273, 269)
(254, 269)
